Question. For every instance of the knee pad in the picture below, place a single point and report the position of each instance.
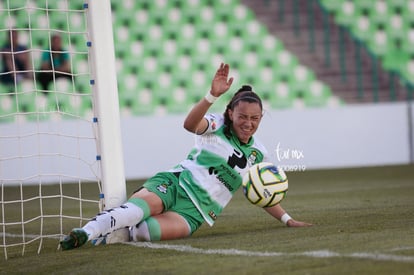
(147, 230)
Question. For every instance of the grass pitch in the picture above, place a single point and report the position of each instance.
(363, 224)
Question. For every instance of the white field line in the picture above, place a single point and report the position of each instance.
(237, 252)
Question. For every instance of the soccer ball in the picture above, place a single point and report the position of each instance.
(265, 184)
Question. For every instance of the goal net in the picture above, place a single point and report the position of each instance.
(59, 120)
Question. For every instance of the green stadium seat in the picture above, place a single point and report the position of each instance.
(345, 14)
(395, 27)
(381, 24)
(317, 95)
(62, 85)
(175, 20)
(408, 43)
(255, 35)
(397, 4)
(82, 84)
(79, 104)
(25, 102)
(15, 4)
(59, 19)
(224, 9)
(145, 102)
(362, 27)
(178, 101)
(394, 59)
(407, 70)
(332, 5)
(136, 52)
(185, 41)
(266, 76)
(198, 85)
(77, 22)
(379, 43)
(380, 12)
(242, 14)
(300, 79)
(128, 86)
(366, 4)
(208, 16)
(7, 105)
(167, 50)
(270, 44)
(285, 63)
(42, 107)
(22, 17)
(281, 96)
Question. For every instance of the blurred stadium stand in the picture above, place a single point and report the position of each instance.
(296, 53)
(170, 49)
(362, 49)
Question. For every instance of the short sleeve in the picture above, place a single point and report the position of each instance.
(215, 121)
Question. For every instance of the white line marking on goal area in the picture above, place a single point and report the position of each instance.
(236, 252)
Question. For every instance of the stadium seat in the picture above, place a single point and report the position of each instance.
(281, 96)
(332, 5)
(178, 101)
(145, 102)
(166, 51)
(381, 24)
(7, 105)
(346, 12)
(380, 12)
(317, 95)
(397, 4)
(175, 20)
(394, 60)
(361, 27)
(26, 104)
(16, 4)
(285, 64)
(408, 41)
(301, 78)
(408, 70)
(379, 43)
(395, 27)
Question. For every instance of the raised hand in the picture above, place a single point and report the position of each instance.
(221, 81)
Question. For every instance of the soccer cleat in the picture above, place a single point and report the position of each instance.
(101, 240)
(117, 236)
(76, 238)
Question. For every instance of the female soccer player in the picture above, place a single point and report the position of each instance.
(173, 204)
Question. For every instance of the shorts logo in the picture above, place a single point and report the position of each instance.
(162, 188)
(212, 215)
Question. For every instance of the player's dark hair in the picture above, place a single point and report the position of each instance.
(244, 94)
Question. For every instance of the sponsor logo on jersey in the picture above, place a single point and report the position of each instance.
(213, 123)
(163, 188)
(223, 177)
(252, 158)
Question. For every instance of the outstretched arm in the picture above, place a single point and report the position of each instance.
(279, 213)
(195, 121)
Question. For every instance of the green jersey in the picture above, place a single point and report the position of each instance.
(214, 168)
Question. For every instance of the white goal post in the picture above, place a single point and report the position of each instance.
(106, 102)
(61, 156)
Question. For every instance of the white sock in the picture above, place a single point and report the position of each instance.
(126, 215)
(140, 232)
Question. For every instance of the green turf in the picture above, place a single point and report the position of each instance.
(363, 224)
